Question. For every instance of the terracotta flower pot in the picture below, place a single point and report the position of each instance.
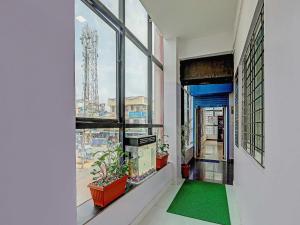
(103, 195)
(161, 161)
(185, 170)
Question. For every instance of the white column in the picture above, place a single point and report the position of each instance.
(172, 104)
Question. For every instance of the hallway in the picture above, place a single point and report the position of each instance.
(158, 215)
(143, 112)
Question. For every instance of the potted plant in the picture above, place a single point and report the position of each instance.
(162, 153)
(185, 168)
(109, 175)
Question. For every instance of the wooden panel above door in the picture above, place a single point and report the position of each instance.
(208, 70)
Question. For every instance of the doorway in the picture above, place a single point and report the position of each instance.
(210, 134)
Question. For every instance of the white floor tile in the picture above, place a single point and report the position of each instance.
(233, 208)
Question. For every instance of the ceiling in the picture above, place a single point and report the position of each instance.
(192, 18)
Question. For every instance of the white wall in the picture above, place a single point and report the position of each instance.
(205, 46)
(172, 103)
(271, 196)
(37, 143)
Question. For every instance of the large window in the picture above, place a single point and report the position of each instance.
(136, 20)
(96, 64)
(253, 93)
(136, 84)
(158, 95)
(119, 82)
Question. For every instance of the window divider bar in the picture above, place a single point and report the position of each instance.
(157, 62)
(121, 86)
(122, 11)
(91, 125)
(101, 10)
(150, 75)
(136, 125)
(95, 120)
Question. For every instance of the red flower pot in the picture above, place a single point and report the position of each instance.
(161, 161)
(185, 170)
(103, 195)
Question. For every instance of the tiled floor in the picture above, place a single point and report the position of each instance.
(158, 214)
(210, 166)
(212, 150)
(212, 171)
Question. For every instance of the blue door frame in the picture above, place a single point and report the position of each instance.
(212, 95)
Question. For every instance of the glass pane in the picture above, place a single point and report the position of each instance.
(95, 65)
(258, 142)
(258, 103)
(258, 116)
(248, 147)
(134, 132)
(87, 143)
(258, 35)
(136, 92)
(136, 19)
(258, 52)
(258, 128)
(258, 91)
(258, 64)
(158, 44)
(258, 156)
(258, 77)
(112, 5)
(158, 95)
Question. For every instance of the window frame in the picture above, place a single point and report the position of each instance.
(154, 27)
(249, 61)
(162, 97)
(236, 110)
(114, 28)
(118, 24)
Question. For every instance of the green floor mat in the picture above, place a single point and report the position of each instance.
(203, 201)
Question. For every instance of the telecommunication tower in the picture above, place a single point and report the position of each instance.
(89, 41)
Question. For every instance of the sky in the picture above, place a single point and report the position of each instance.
(135, 60)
